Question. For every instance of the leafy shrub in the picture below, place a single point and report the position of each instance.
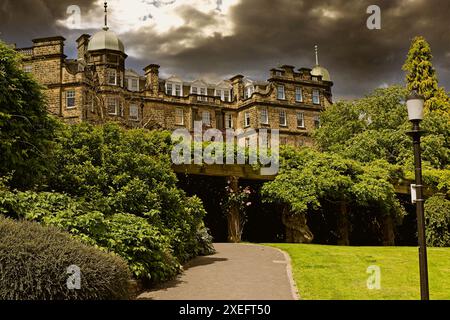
(147, 251)
(34, 261)
(26, 129)
(437, 217)
(115, 189)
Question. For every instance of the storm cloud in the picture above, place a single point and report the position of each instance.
(263, 34)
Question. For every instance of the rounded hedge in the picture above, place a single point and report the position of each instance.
(35, 264)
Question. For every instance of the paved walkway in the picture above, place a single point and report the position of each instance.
(236, 272)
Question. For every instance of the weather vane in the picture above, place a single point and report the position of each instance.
(106, 16)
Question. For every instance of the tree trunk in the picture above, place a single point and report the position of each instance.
(388, 231)
(297, 231)
(234, 217)
(343, 225)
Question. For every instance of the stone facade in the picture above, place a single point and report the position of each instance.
(96, 87)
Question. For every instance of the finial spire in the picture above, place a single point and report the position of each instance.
(106, 16)
(316, 47)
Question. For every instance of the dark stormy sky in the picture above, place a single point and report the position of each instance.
(192, 39)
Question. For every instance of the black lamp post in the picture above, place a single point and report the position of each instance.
(415, 104)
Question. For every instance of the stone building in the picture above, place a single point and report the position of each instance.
(97, 87)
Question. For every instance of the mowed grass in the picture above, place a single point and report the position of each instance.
(340, 273)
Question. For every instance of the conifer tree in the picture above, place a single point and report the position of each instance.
(422, 76)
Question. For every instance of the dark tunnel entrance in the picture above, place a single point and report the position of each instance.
(263, 223)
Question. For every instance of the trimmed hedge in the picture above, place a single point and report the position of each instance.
(34, 262)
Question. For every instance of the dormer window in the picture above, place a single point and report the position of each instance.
(134, 85)
(201, 93)
(112, 77)
(249, 90)
(174, 89)
(178, 90)
(227, 96)
(224, 95)
(169, 89)
(278, 73)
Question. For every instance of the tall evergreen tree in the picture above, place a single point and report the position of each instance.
(26, 131)
(422, 76)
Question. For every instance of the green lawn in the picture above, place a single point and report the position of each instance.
(339, 273)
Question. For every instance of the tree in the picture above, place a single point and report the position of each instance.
(309, 178)
(26, 130)
(422, 76)
(437, 210)
(367, 129)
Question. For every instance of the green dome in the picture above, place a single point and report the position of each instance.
(321, 71)
(106, 40)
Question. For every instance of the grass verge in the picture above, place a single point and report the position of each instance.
(340, 273)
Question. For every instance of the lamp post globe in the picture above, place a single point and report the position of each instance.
(415, 103)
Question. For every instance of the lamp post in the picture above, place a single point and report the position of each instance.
(415, 104)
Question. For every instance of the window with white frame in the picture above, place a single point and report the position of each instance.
(179, 117)
(134, 85)
(28, 69)
(247, 119)
(264, 116)
(169, 89)
(280, 93)
(178, 90)
(112, 106)
(227, 96)
(316, 96)
(228, 121)
(112, 77)
(300, 120)
(134, 112)
(203, 94)
(248, 91)
(224, 95)
(70, 99)
(283, 118)
(206, 118)
(298, 94)
(278, 73)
